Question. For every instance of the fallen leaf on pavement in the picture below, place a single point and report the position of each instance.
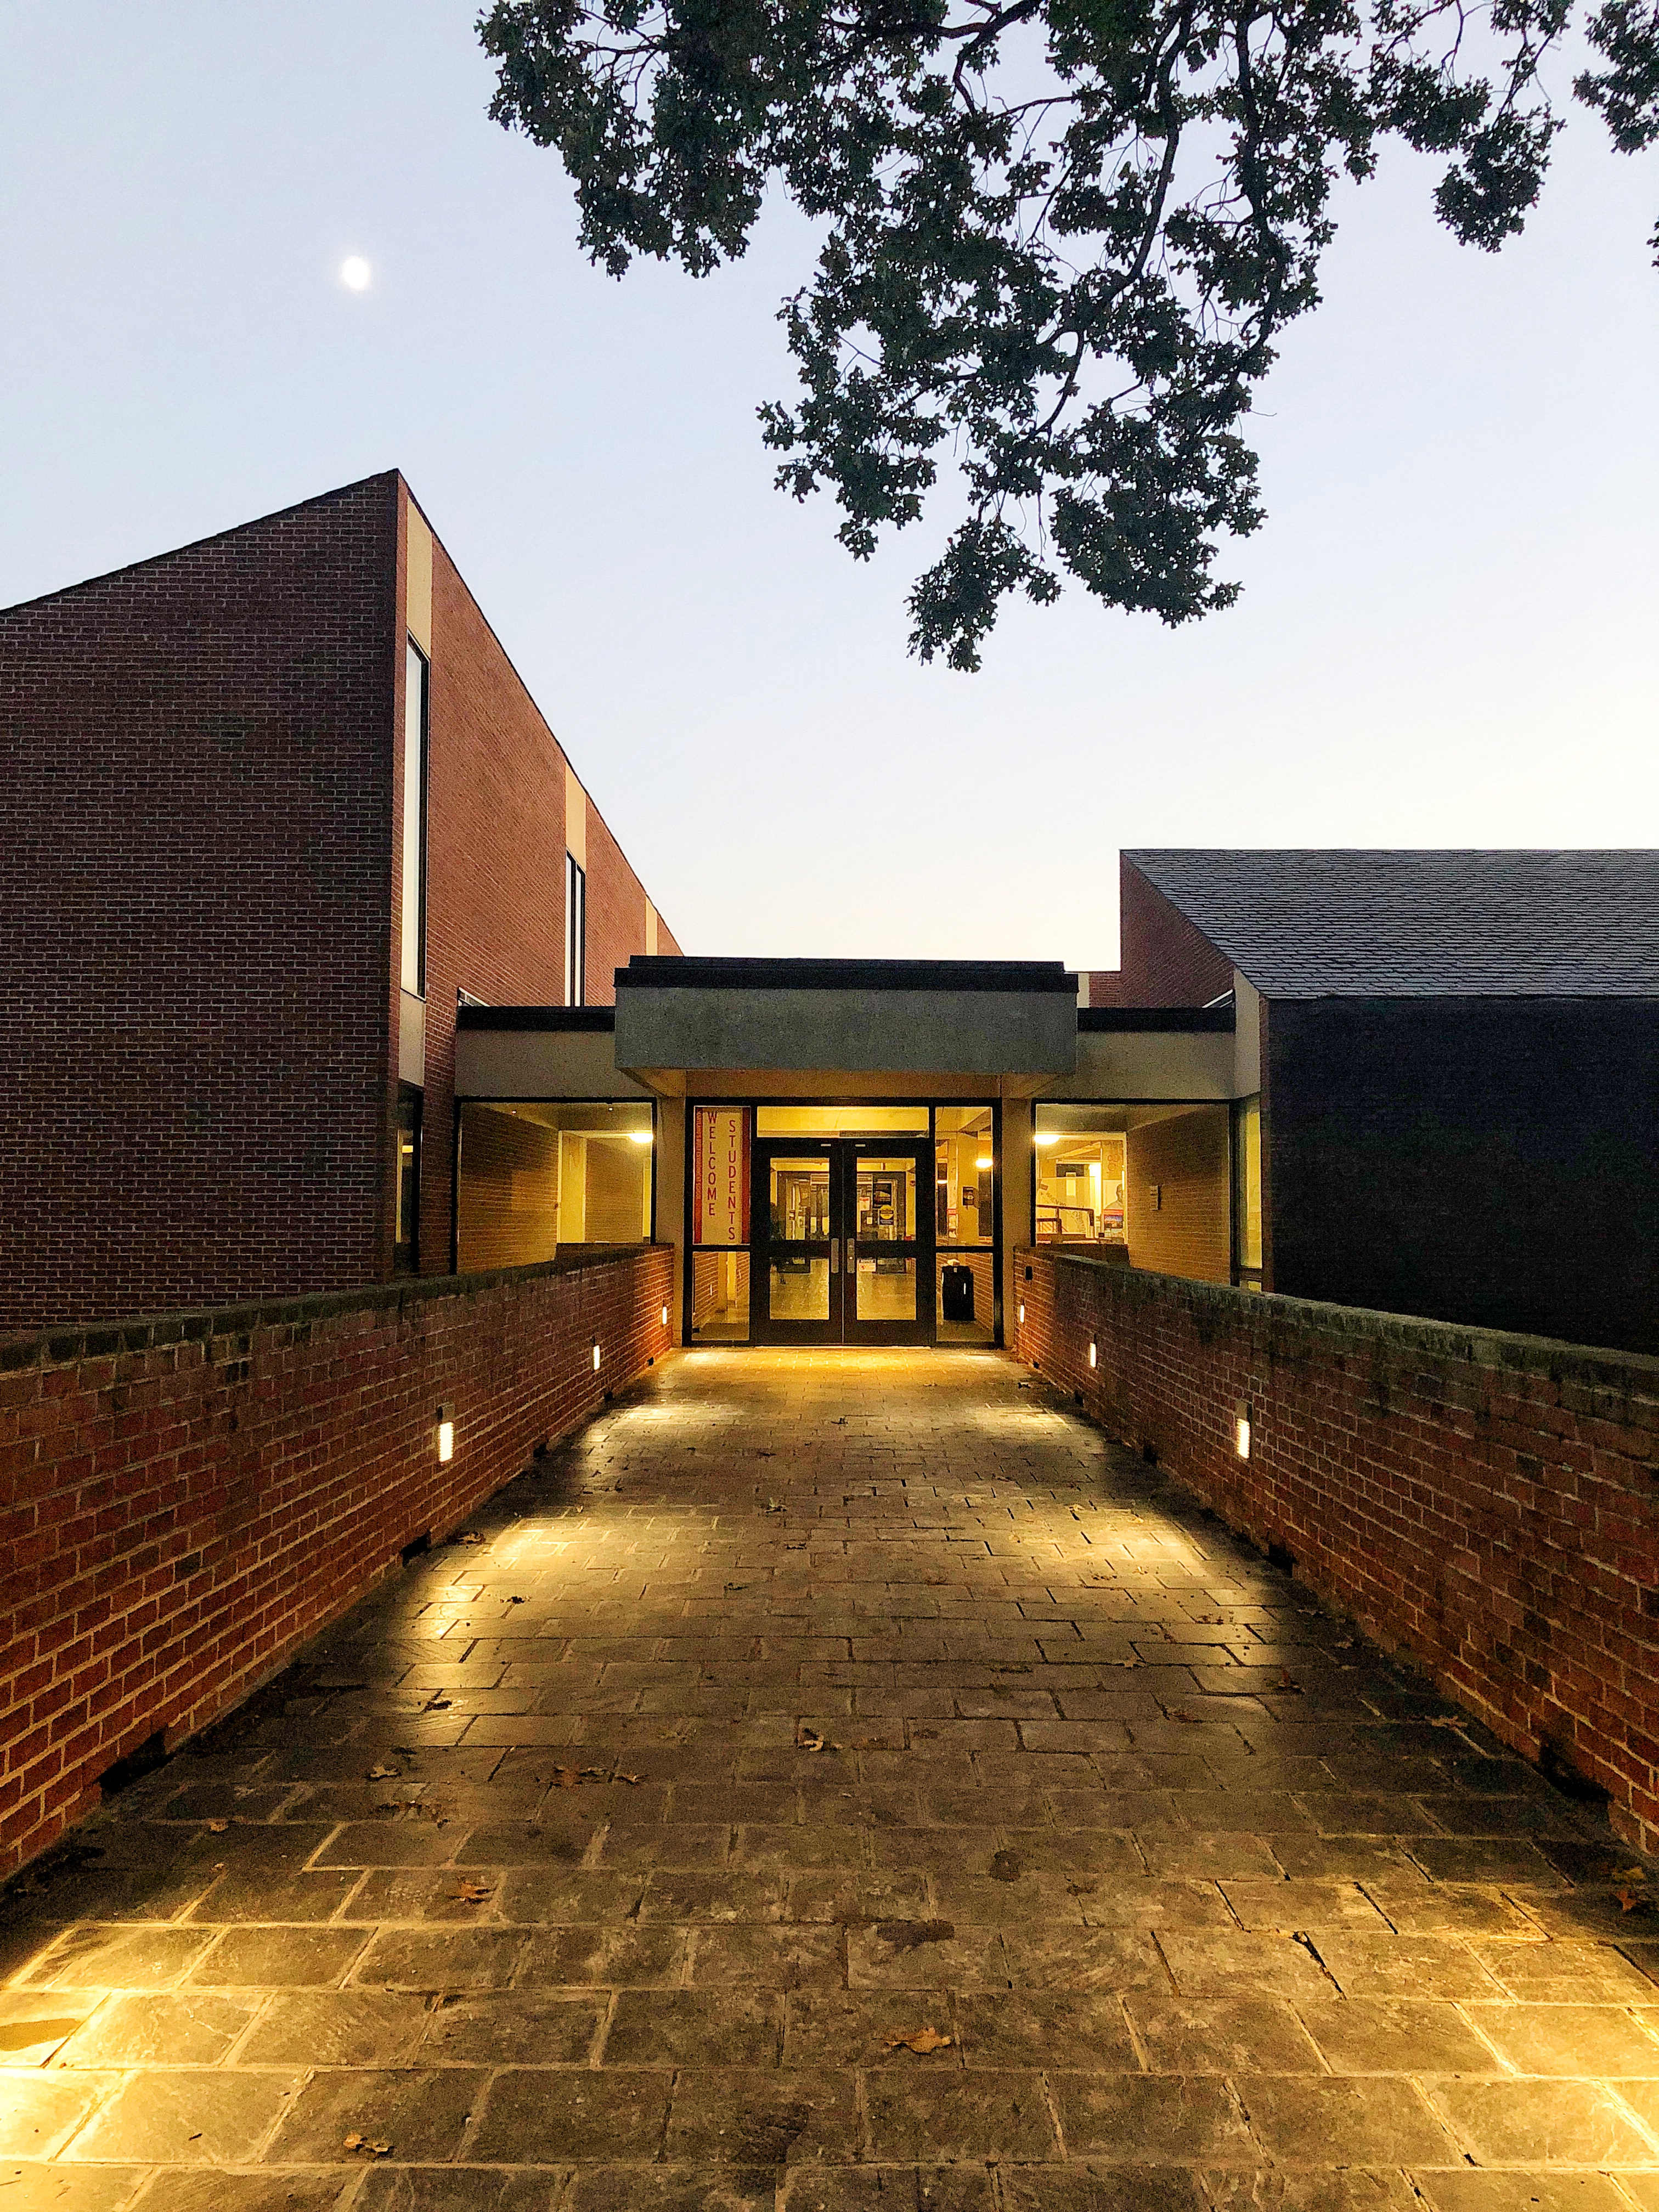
(568, 1777)
(1181, 1714)
(471, 1536)
(808, 1739)
(1286, 1683)
(472, 1893)
(518, 1601)
(435, 1705)
(375, 2149)
(217, 1828)
(384, 1774)
(621, 1777)
(1628, 1900)
(919, 2039)
(1629, 1874)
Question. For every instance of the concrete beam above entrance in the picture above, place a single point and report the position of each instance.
(971, 1018)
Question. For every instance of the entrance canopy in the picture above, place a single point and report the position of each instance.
(1003, 1018)
(847, 1151)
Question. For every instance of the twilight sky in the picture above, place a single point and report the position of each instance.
(1449, 633)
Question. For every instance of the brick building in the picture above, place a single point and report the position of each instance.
(275, 804)
(321, 967)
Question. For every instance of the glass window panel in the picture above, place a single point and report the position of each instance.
(406, 1255)
(1148, 1184)
(963, 1181)
(797, 1196)
(886, 1288)
(886, 1201)
(1247, 1197)
(413, 856)
(720, 1298)
(967, 1298)
(535, 1175)
(800, 1286)
(839, 1120)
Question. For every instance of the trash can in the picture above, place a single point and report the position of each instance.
(955, 1293)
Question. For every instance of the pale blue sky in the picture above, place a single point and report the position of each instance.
(1449, 634)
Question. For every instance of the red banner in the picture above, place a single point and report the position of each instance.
(720, 1161)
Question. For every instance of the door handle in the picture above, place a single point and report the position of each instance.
(834, 1256)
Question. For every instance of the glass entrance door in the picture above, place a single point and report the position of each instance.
(843, 1246)
(889, 1245)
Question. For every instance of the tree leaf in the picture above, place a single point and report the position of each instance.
(918, 2040)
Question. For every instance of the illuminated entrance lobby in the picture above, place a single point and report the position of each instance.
(849, 1152)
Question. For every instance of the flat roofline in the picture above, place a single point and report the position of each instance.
(670, 972)
(1203, 1020)
(569, 1018)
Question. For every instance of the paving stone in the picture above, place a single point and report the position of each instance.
(688, 2028)
(187, 2118)
(1401, 2035)
(756, 2118)
(514, 2027)
(440, 1958)
(1219, 2035)
(985, 2114)
(1375, 2121)
(1149, 2117)
(274, 1958)
(1084, 2188)
(547, 2119)
(421, 2113)
(218, 2191)
(193, 2028)
(1572, 2039)
(1532, 2191)
(336, 2027)
(38, 2112)
(1543, 2124)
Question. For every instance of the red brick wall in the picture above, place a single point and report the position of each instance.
(1485, 1503)
(496, 855)
(1163, 961)
(185, 1500)
(195, 873)
(1188, 1159)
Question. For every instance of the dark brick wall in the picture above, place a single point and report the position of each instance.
(195, 891)
(1494, 1162)
(184, 1501)
(1483, 1502)
(495, 870)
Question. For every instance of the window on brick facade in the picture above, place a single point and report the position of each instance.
(416, 713)
(536, 1174)
(1247, 1193)
(406, 1250)
(575, 932)
(1150, 1184)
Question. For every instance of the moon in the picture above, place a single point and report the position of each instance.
(354, 273)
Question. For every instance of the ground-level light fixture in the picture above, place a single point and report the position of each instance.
(1241, 1428)
(664, 1316)
(596, 1359)
(446, 1435)
(1022, 1316)
(1094, 1354)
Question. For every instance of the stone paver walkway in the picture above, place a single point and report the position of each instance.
(835, 1783)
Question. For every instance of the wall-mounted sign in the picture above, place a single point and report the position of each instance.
(720, 1161)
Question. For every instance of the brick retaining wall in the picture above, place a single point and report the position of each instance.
(184, 1500)
(1487, 1503)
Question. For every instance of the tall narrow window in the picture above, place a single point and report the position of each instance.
(405, 1259)
(575, 932)
(415, 717)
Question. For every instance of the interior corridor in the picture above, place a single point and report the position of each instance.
(836, 1781)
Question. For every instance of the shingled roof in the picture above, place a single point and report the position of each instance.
(1316, 925)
